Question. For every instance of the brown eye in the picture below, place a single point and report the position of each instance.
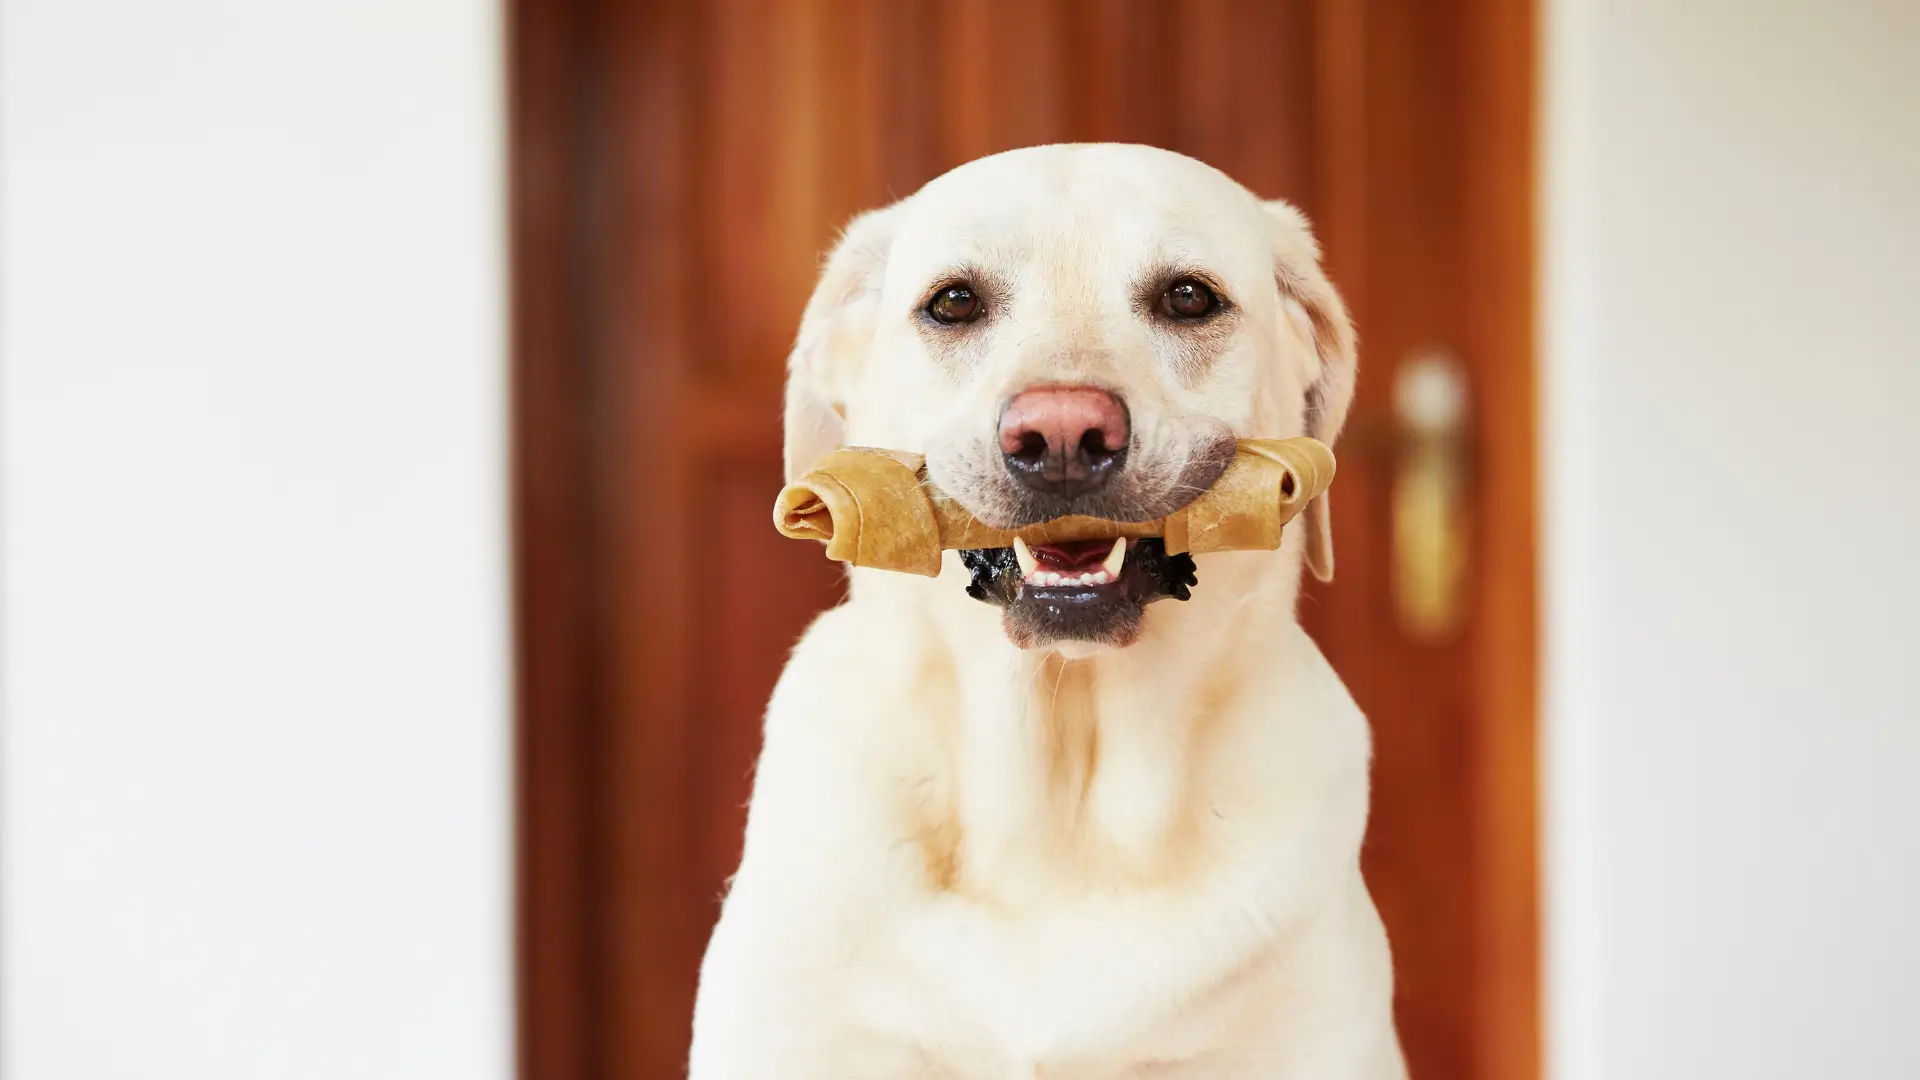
(1188, 299)
(954, 304)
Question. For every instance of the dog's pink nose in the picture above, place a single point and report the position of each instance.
(1064, 440)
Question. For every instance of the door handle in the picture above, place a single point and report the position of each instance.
(1430, 498)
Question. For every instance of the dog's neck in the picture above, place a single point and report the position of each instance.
(1089, 772)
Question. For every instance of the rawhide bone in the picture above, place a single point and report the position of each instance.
(876, 508)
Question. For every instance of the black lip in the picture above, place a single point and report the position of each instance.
(1036, 615)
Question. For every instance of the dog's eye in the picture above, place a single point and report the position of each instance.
(1188, 299)
(955, 304)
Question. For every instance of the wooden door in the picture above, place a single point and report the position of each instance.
(678, 167)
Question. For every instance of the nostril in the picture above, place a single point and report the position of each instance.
(1032, 447)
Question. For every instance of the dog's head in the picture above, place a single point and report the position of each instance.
(1074, 330)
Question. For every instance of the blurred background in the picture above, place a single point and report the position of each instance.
(359, 715)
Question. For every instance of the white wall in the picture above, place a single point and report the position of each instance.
(1732, 426)
(255, 787)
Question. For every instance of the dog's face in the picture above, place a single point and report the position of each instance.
(1073, 330)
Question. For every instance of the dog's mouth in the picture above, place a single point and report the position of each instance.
(1093, 591)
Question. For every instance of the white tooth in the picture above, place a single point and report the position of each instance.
(1051, 579)
(1024, 555)
(1086, 579)
(1115, 558)
(1099, 577)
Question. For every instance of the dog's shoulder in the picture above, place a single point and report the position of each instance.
(846, 733)
(854, 664)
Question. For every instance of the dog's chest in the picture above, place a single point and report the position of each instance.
(1049, 798)
(1070, 859)
(972, 992)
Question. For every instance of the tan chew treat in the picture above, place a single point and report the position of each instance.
(875, 508)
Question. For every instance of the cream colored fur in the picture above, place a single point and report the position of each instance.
(965, 860)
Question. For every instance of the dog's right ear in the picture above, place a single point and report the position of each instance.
(836, 333)
(1314, 304)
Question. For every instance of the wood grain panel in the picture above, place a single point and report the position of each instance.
(644, 205)
(760, 591)
(557, 844)
(1497, 145)
(1418, 694)
(1240, 93)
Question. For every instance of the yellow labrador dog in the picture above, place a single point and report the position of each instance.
(1062, 812)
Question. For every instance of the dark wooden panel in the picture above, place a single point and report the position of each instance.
(1424, 154)
(1497, 331)
(759, 592)
(556, 843)
(1240, 93)
(1419, 695)
(642, 201)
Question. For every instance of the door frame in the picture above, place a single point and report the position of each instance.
(553, 82)
(566, 79)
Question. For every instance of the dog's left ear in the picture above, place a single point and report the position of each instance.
(836, 332)
(1312, 302)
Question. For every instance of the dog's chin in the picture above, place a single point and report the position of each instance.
(1072, 620)
(1074, 616)
(1079, 650)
